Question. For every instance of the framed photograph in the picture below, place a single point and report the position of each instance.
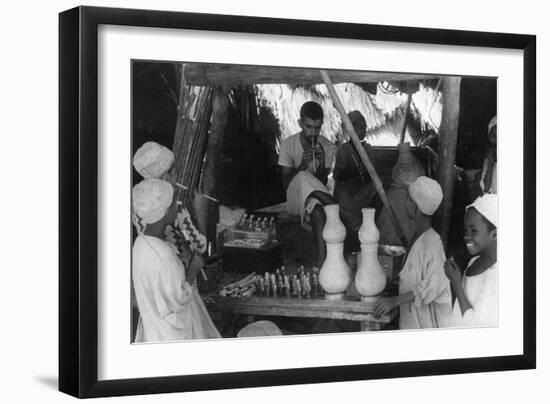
(251, 202)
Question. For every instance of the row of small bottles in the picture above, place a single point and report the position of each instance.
(280, 284)
(259, 224)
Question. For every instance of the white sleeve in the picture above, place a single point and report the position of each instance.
(285, 157)
(434, 287)
(174, 288)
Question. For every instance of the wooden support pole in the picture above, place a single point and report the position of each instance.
(405, 117)
(364, 157)
(447, 150)
(220, 112)
(207, 216)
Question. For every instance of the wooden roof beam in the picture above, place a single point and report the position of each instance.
(233, 75)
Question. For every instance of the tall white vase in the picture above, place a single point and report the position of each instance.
(368, 232)
(334, 230)
(370, 279)
(335, 273)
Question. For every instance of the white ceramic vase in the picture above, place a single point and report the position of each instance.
(335, 273)
(368, 232)
(370, 279)
(334, 230)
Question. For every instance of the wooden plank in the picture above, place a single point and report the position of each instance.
(233, 75)
(296, 312)
(311, 304)
(294, 307)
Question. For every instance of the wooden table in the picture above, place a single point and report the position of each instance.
(353, 310)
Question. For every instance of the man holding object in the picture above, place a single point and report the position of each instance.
(306, 160)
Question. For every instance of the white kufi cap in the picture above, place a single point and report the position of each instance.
(426, 194)
(262, 328)
(151, 198)
(153, 160)
(487, 205)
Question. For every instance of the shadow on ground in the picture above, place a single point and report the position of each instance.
(48, 381)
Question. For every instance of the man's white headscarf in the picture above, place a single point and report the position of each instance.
(426, 194)
(151, 198)
(153, 160)
(487, 205)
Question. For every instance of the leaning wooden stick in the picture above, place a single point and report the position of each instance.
(203, 195)
(364, 157)
(405, 118)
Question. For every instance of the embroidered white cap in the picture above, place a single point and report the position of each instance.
(487, 206)
(153, 160)
(151, 198)
(427, 194)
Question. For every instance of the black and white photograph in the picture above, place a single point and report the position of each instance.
(260, 202)
(274, 201)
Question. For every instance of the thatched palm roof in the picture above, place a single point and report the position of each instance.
(284, 89)
(384, 112)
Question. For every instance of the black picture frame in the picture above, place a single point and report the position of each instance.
(78, 200)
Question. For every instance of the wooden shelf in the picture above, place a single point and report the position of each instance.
(294, 307)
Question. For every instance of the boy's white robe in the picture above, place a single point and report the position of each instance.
(170, 309)
(424, 275)
(482, 292)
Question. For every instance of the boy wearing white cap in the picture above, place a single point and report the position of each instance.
(153, 160)
(170, 308)
(424, 298)
(477, 289)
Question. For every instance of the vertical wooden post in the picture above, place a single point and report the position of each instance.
(447, 150)
(207, 218)
(405, 118)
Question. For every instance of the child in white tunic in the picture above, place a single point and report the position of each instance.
(477, 289)
(169, 304)
(424, 298)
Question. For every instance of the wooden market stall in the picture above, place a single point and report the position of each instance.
(205, 94)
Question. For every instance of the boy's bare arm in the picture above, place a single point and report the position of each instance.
(461, 297)
(195, 265)
(404, 298)
(455, 277)
(386, 304)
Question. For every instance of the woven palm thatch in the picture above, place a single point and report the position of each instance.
(384, 112)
